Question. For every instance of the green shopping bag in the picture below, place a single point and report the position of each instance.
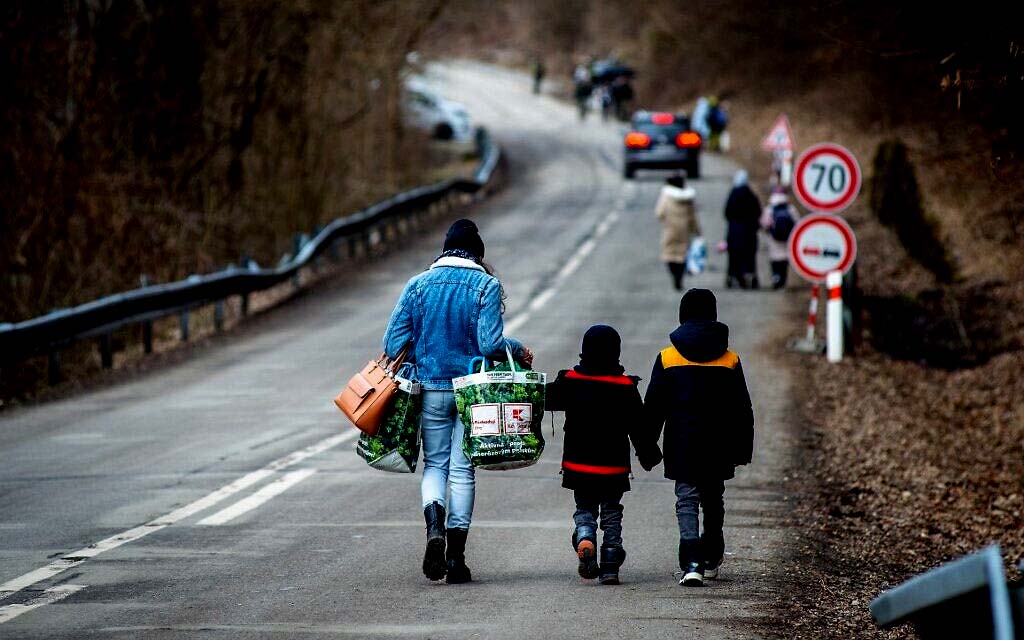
(396, 446)
(501, 411)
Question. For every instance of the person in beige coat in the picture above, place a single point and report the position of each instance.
(677, 211)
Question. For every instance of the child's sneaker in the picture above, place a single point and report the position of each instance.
(692, 575)
(689, 562)
(711, 570)
(586, 551)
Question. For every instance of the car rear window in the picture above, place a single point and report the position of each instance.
(671, 130)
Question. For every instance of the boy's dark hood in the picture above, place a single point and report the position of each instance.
(701, 340)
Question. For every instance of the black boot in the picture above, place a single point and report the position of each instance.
(611, 559)
(458, 572)
(584, 543)
(434, 566)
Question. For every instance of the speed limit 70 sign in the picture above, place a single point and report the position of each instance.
(827, 178)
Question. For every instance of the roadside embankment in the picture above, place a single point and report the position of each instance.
(911, 452)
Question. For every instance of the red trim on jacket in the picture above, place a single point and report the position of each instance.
(572, 374)
(591, 468)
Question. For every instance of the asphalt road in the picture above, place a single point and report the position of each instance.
(221, 497)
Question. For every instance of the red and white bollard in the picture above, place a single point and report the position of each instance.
(834, 320)
(812, 313)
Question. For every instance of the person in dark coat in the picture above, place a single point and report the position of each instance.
(603, 412)
(743, 216)
(698, 394)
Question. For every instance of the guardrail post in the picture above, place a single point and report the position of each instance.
(183, 325)
(53, 367)
(296, 247)
(316, 261)
(147, 325)
(218, 315)
(106, 352)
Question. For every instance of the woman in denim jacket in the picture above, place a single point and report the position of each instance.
(449, 314)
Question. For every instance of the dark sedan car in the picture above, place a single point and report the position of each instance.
(659, 140)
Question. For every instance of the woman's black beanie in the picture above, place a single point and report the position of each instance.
(698, 304)
(463, 234)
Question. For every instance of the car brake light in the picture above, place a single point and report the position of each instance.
(637, 140)
(688, 139)
(662, 118)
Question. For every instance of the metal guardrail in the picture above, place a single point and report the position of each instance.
(50, 333)
(966, 598)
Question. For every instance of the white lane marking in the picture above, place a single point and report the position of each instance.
(51, 595)
(78, 557)
(571, 265)
(249, 503)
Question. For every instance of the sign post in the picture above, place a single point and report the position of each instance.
(779, 142)
(822, 246)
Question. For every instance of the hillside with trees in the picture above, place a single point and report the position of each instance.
(167, 138)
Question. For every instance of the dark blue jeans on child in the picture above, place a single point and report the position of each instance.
(592, 508)
(708, 548)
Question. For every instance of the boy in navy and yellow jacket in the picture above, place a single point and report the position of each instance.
(603, 412)
(698, 394)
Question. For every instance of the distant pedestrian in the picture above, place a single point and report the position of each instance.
(582, 88)
(717, 120)
(621, 96)
(448, 315)
(539, 71)
(743, 216)
(698, 394)
(778, 220)
(676, 209)
(699, 120)
(602, 414)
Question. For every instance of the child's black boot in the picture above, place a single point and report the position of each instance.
(584, 543)
(690, 564)
(611, 559)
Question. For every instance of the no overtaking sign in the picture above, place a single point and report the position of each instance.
(821, 243)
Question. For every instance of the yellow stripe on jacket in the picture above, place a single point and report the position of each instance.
(671, 357)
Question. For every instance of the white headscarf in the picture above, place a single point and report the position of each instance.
(739, 179)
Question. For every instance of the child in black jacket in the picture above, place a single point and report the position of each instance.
(698, 393)
(603, 411)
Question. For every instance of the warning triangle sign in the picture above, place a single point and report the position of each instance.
(780, 138)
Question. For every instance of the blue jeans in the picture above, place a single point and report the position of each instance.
(590, 507)
(445, 466)
(690, 499)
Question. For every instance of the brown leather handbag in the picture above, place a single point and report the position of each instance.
(369, 393)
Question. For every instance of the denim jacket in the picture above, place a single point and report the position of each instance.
(451, 313)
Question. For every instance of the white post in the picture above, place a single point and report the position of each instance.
(812, 314)
(834, 282)
(786, 173)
